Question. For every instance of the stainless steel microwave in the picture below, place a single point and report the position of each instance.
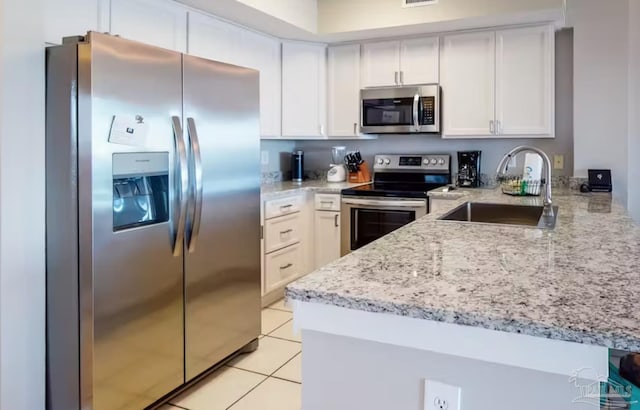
(400, 110)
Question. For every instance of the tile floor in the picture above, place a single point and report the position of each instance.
(267, 379)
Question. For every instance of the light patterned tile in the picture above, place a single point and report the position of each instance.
(273, 319)
(220, 390)
(273, 394)
(292, 370)
(271, 355)
(286, 332)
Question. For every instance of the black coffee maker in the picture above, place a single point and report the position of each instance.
(469, 169)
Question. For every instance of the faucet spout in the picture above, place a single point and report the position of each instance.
(502, 167)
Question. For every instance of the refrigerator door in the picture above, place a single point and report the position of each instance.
(130, 181)
(222, 260)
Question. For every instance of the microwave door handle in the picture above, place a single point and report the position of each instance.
(197, 160)
(416, 120)
(182, 186)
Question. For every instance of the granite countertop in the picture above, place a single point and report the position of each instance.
(278, 189)
(579, 282)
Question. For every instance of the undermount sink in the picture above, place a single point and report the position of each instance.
(504, 214)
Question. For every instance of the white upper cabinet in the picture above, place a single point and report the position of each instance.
(304, 89)
(161, 23)
(214, 39)
(64, 18)
(468, 84)
(344, 90)
(263, 53)
(381, 64)
(405, 62)
(419, 61)
(499, 83)
(218, 40)
(525, 81)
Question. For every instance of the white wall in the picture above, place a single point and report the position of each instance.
(634, 108)
(340, 15)
(600, 88)
(22, 272)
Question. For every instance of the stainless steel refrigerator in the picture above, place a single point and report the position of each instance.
(153, 221)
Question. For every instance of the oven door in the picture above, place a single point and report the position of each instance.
(366, 219)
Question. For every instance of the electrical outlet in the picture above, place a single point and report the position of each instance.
(264, 156)
(440, 396)
(558, 162)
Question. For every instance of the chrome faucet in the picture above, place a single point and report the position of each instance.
(502, 168)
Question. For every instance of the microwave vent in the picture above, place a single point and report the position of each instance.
(414, 3)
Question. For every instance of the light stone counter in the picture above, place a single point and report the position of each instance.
(579, 282)
(279, 189)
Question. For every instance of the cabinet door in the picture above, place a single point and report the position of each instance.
(525, 81)
(344, 90)
(262, 53)
(304, 91)
(158, 22)
(214, 39)
(327, 240)
(468, 84)
(420, 61)
(381, 64)
(65, 18)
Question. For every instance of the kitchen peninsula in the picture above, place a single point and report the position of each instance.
(517, 317)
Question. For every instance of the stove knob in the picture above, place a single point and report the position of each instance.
(387, 161)
(434, 161)
(441, 161)
(379, 161)
(426, 161)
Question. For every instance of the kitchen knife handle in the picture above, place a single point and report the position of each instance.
(198, 188)
(183, 183)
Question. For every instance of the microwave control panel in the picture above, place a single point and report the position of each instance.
(428, 110)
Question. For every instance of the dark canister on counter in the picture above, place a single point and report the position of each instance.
(297, 165)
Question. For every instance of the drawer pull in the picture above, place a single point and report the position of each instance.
(285, 207)
(286, 232)
(287, 266)
(327, 202)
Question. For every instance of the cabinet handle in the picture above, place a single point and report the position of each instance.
(355, 128)
(498, 127)
(401, 77)
(335, 220)
(285, 207)
(286, 232)
(491, 127)
(326, 202)
(321, 129)
(396, 77)
(287, 266)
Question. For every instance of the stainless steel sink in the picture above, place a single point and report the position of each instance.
(505, 214)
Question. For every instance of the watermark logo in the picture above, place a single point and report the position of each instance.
(606, 393)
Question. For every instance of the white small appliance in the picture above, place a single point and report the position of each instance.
(337, 172)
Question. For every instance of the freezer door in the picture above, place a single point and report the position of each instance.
(129, 184)
(222, 262)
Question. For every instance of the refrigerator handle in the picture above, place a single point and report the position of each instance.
(197, 159)
(183, 184)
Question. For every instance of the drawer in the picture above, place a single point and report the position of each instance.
(282, 206)
(327, 202)
(282, 266)
(282, 231)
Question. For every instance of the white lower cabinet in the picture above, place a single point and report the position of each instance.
(327, 237)
(287, 241)
(326, 229)
(283, 266)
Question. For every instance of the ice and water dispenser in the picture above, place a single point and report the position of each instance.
(140, 189)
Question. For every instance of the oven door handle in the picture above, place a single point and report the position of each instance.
(385, 203)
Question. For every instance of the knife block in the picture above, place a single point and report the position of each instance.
(363, 174)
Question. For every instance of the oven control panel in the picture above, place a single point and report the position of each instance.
(427, 162)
